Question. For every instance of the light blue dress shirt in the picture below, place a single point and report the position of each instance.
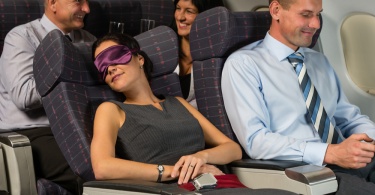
(20, 103)
(267, 110)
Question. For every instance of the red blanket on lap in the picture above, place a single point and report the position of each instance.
(223, 181)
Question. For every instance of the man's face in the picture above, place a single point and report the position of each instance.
(69, 14)
(299, 23)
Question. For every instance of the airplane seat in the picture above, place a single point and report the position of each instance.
(3, 177)
(15, 148)
(17, 174)
(46, 187)
(102, 12)
(246, 5)
(348, 42)
(16, 12)
(257, 5)
(71, 90)
(128, 12)
(162, 11)
(215, 34)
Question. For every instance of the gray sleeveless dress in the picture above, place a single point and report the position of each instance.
(158, 136)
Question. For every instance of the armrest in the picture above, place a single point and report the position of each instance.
(295, 176)
(3, 178)
(134, 186)
(267, 164)
(18, 162)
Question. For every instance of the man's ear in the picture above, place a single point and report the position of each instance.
(52, 5)
(275, 8)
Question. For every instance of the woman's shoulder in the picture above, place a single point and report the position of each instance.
(180, 101)
(109, 107)
(109, 113)
(110, 103)
(175, 98)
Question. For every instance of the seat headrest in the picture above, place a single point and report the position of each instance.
(58, 60)
(102, 13)
(17, 12)
(161, 45)
(218, 32)
(214, 29)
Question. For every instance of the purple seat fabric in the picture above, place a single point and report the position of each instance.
(102, 12)
(129, 12)
(162, 11)
(46, 187)
(161, 45)
(16, 12)
(72, 89)
(215, 34)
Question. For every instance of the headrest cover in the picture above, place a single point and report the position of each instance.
(212, 33)
(161, 46)
(58, 60)
(117, 54)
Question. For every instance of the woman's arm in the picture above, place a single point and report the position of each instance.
(108, 119)
(222, 149)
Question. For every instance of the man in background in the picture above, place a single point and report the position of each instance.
(21, 108)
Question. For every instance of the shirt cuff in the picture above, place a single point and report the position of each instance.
(315, 153)
(371, 134)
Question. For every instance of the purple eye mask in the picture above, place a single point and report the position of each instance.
(117, 54)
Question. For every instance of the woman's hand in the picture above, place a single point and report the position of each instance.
(206, 168)
(188, 167)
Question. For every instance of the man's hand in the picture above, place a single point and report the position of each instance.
(354, 152)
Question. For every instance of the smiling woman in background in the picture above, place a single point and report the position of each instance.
(185, 13)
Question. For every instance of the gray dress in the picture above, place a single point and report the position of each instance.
(156, 136)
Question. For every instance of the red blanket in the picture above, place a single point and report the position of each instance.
(223, 181)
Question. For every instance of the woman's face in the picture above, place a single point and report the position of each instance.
(121, 76)
(185, 15)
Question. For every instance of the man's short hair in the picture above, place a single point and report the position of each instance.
(284, 3)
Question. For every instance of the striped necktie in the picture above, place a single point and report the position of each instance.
(314, 105)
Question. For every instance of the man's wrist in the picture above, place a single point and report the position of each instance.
(328, 156)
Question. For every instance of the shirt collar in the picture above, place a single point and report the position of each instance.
(49, 25)
(278, 49)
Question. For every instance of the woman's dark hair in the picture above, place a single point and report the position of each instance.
(132, 44)
(203, 5)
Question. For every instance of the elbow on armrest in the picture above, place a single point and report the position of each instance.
(239, 153)
(101, 171)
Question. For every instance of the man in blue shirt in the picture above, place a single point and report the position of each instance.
(268, 112)
(21, 108)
